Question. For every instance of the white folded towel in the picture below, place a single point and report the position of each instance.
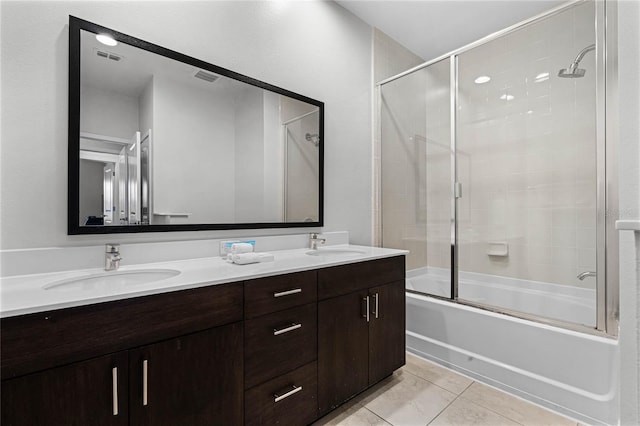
(246, 258)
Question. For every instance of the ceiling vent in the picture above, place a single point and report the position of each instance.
(206, 76)
(108, 55)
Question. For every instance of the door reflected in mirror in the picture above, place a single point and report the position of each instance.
(163, 142)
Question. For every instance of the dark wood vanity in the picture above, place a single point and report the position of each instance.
(285, 350)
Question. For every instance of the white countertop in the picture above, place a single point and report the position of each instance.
(24, 294)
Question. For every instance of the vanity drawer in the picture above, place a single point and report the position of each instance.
(345, 279)
(272, 294)
(296, 395)
(280, 342)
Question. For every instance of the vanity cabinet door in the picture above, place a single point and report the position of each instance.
(192, 380)
(92, 392)
(386, 330)
(343, 335)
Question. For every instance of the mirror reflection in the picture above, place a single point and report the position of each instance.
(163, 142)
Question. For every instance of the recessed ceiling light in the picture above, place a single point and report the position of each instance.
(507, 97)
(106, 39)
(482, 79)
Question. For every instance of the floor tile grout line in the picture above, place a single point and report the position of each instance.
(435, 384)
(490, 386)
(513, 396)
(493, 411)
(441, 411)
(378, 416)
(465, 389)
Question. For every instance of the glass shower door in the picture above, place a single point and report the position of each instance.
(526, 141)
(416, 175)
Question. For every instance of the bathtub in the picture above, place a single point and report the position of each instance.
(554, 301)
(570, 372)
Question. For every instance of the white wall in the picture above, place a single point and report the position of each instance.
(249, 155)
(314, 48)
(91, 188)
(108, 113)
(273, 159)
(145, 109)
(629, 193)
(192, 128)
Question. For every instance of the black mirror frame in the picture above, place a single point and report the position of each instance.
(73, 213)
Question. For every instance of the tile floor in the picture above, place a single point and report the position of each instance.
(424, 393)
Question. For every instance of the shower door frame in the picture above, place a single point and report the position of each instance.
(607, 280)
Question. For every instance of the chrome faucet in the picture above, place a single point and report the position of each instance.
(112, 257)
(314, 240)
(584, 275)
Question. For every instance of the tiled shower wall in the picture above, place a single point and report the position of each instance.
(526, 156)
(527, 152)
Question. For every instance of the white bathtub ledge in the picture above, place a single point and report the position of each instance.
(628, 225)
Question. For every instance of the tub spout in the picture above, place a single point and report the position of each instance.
(584, 275)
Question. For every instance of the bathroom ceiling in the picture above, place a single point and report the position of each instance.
(431, 28)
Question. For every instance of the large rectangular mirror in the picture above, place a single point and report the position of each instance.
(160, 141)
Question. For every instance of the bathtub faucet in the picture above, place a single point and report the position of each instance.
(584, 275)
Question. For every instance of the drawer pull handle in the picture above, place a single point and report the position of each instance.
(145, 387)
(375, 305)
(278, 331)
(366, 308)
(279, 397)
(288, 292)
(114, 379)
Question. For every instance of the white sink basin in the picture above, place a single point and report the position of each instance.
(114, 279)
(335, 252)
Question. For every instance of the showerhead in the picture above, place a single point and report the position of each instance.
(573, 71)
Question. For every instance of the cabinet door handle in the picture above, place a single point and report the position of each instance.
(288, 292)
(375, 305)
(277, 397)
(278, 331)
(114, 386)
(366, 309)
(145, 385)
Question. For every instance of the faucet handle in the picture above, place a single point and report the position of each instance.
(112, 248)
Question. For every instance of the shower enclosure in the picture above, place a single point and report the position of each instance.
(495, 173)
(301, 167)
